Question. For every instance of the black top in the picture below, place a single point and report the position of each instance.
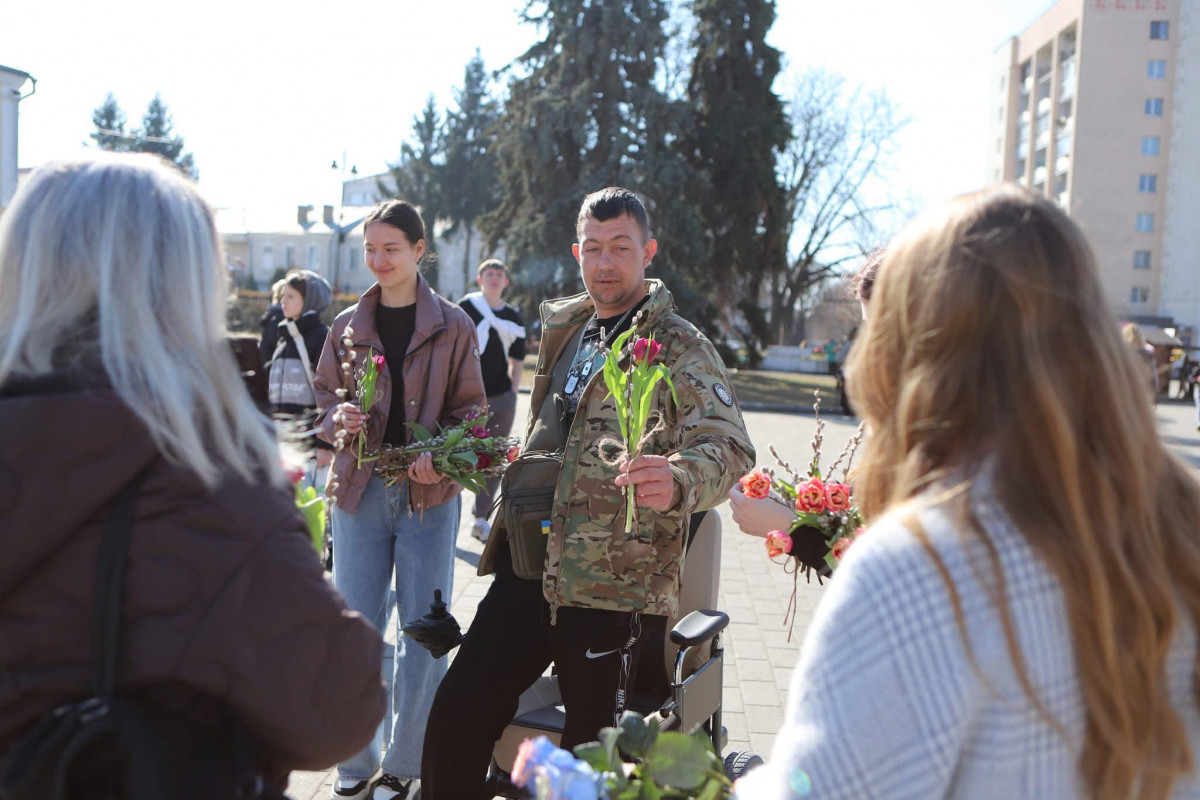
(395, 326)
(612, 327)
(492, 360)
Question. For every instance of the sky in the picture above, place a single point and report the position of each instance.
(268, 94)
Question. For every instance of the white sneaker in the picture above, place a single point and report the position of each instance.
(481, 529)
(344, 789)
(392, 788)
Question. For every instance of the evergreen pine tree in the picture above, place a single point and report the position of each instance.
(157, 136)
(417, 178)
(575, 121)
(468, 180)
(109, 120)
(737, 132)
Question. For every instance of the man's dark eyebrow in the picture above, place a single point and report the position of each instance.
(613, 239)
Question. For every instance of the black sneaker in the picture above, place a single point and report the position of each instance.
(392, 788)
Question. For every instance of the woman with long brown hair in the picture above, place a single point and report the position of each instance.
(1019, 619)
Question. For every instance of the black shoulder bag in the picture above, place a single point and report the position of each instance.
(108, 746)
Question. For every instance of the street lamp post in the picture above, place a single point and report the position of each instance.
(337, 227)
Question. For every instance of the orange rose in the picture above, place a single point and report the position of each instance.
(837, 496)
(756, 485)
(841, 546)
(810, 496)
(778, 544)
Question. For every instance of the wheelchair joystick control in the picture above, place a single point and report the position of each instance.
(438, 631)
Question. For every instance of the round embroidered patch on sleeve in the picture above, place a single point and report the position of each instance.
(723, 394)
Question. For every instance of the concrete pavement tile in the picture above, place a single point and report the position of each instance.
(783, 657)
(753, 669)
(761, 743)
(764, 719)
(783, 678)
(737, 730)
(751, 649)
(744, 632)
(731, 698)
(760, 693)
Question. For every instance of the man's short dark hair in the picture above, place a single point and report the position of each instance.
(491, 263)
(864, 280)
(610, 203)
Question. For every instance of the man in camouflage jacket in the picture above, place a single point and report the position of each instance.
(586, 611)
(590, 561)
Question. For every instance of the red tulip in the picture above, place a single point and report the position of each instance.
(645, 350)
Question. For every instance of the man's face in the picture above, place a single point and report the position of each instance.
(613, 259)
(493, 279)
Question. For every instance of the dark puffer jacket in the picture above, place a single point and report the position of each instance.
(226, 604)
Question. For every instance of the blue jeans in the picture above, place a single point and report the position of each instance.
(378, 540)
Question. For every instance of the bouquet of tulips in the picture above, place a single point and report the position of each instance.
(632, 391)
(823, 505)
(827, 521)
(465, 453)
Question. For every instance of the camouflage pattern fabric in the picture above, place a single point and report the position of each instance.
(590, 561)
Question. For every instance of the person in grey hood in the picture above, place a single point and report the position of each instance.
(301, 336)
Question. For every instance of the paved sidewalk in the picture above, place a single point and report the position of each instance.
(759, 658)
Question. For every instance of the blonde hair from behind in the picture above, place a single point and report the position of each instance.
(989, 340)
(112, 262)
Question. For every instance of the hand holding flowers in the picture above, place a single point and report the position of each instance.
(466, 453)
(632, 390)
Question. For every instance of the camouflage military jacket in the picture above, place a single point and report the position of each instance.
(590, 560)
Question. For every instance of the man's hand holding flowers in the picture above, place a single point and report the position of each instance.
(653, 482)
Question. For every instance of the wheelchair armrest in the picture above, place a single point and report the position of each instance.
(697, 627)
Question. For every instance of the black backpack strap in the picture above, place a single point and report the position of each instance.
(110, 585)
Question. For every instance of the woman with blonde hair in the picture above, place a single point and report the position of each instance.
(118, 391)
(1020, 618)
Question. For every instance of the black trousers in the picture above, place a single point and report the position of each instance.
(509, 645)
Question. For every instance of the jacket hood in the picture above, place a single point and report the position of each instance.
(69, 446)
(317, 294)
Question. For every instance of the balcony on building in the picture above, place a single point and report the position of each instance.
(1066, 85)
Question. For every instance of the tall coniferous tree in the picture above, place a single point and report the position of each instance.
(417, 177)
(157, 135)
(109, 120)
(575, 121)
(738, 131)
(469, 178)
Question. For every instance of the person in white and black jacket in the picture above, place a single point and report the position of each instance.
(501, 333)
(306, 297)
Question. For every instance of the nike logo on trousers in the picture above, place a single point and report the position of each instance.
(590, 654)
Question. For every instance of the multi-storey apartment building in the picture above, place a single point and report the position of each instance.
(1097, 106)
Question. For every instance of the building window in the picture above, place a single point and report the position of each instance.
(1149, 145)
(1145, 223)
(1138, 295)
(1141, 259)
(1159, 30)
(289, 256)
(1157, 69)
(1147, 184)
(312, 257)
(1154, 107)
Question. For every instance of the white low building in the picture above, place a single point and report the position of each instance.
(12, 82)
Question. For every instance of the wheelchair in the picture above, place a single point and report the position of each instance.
(678, 683)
